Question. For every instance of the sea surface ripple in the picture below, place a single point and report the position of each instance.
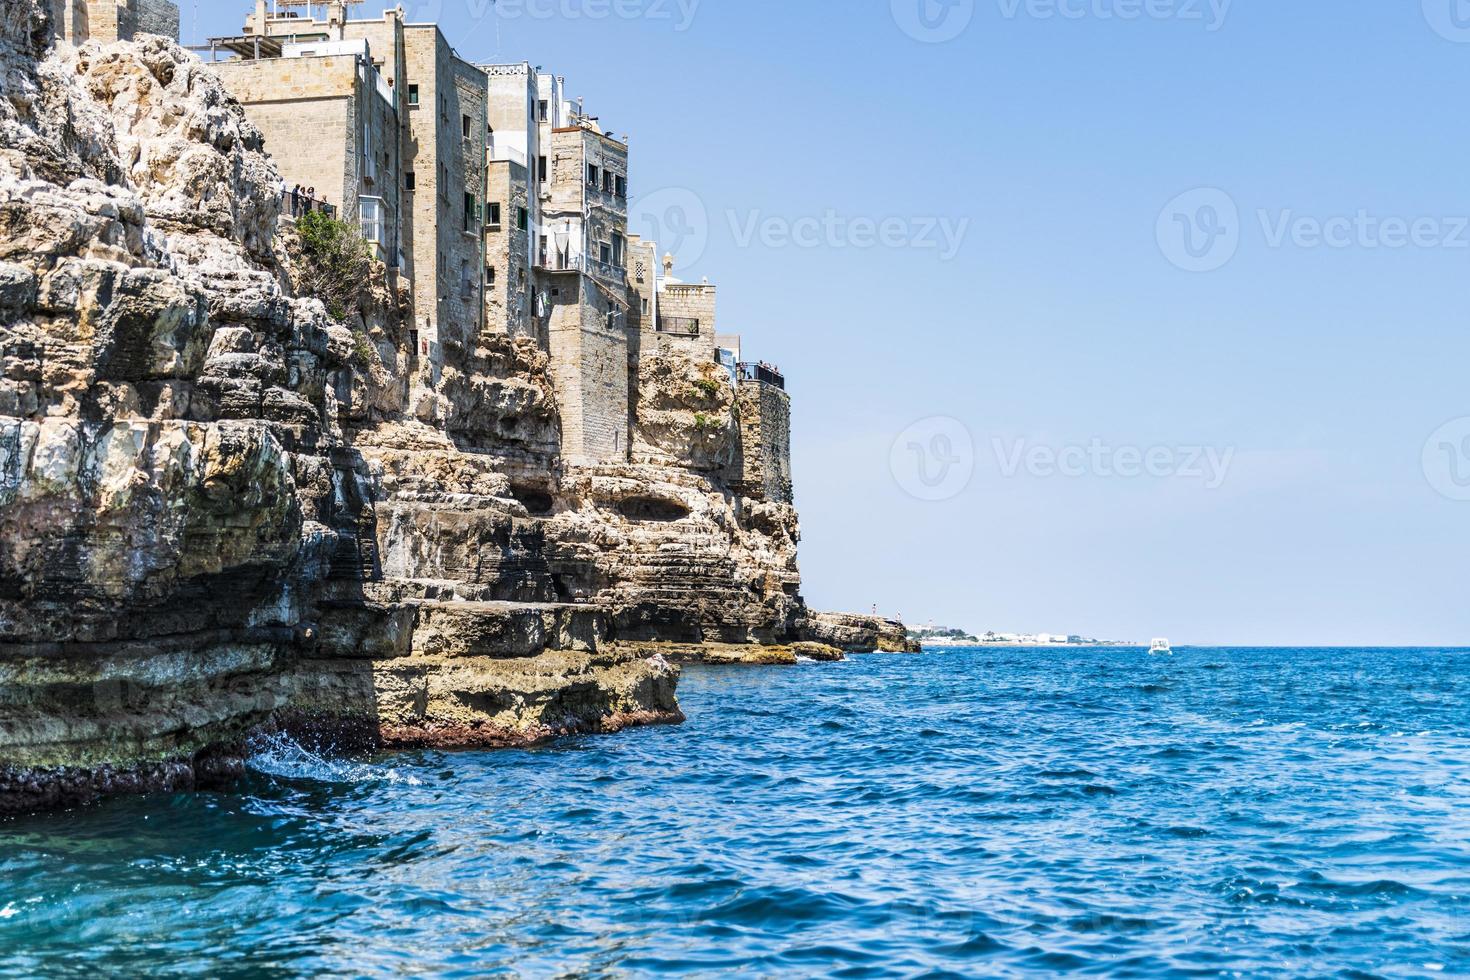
(996, 812)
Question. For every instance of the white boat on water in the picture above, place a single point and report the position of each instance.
(1161, 648)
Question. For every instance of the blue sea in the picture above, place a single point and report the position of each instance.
(1223, 812)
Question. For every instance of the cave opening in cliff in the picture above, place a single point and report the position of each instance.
(537, 501)
(653, 509)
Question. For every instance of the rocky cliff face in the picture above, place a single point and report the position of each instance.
(220, 508)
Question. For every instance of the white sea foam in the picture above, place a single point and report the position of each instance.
(282, 757)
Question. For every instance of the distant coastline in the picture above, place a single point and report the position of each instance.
(940, 637)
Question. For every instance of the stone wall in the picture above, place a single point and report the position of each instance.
(304, 107)
(589, 366)
(765, 438)
(678, 302)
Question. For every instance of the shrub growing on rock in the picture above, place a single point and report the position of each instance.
(336, 262)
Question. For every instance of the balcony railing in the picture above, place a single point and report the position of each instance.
(760, 371)
(582, 263)
(298, 205)
(679, 326)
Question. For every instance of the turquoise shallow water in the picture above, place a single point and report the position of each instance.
(1018, 812)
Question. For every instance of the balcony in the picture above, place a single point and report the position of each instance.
(582, 263)
(678, 326)
(762, 372)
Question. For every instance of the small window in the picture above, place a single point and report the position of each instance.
(541, 168)
(622, 189)
(466, 126)
(469, 211)
(541, 109)
(413, 95)
(641, 272)
(523, 219)
(607, 182)
(592, 176)
(494, 216)
(617, 250)
(410, 181)
(523, 275)
(645, 306)
(490, 276)
(604, 251)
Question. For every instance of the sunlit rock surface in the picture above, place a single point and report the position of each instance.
(221, 509)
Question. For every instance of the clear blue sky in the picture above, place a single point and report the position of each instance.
(1061, 319)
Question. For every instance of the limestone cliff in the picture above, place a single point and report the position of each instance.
(221, 508)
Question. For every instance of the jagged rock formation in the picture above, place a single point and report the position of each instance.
(220, 508)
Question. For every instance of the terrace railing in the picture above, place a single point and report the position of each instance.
(679, 326)
(765, 373)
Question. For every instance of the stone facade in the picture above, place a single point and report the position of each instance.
(510, 242)
(509, 291)
(448, 129)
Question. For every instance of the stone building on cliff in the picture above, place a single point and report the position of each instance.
(504, 206)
